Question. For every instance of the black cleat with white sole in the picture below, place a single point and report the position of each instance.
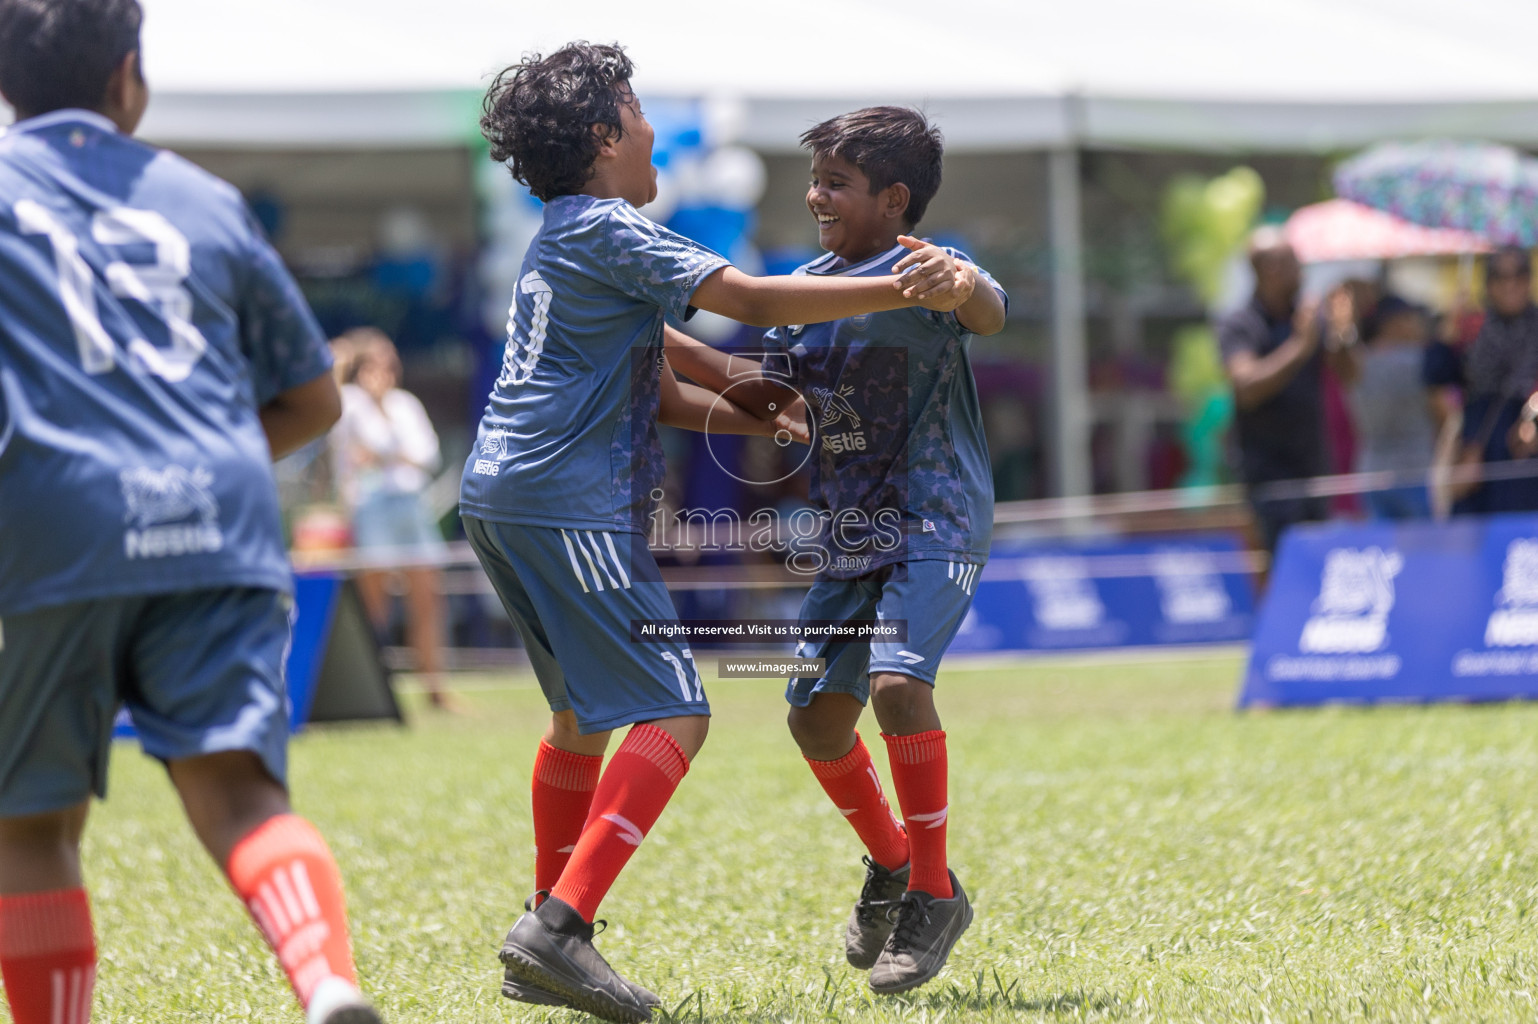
(521, 991)
(925, 929)
(551, 949)
(870, 922)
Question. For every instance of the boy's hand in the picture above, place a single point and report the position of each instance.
(932, 277)
(792, 420)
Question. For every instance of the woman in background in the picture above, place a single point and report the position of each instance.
(1395, 430)
(387, 451)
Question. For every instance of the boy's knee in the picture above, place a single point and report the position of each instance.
(902, 703)
(821, 736)
(565, 734)
(688, 731)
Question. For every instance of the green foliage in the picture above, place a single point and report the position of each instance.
(1205, 221)
(1196, 377)
(1136, 851)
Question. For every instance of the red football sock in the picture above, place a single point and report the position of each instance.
(854, 787)
(284, 873)
(640, 779)
(48, 956)
(563, 791)
(919, 776)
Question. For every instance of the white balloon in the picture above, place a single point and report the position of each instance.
(688, 177)
(735, 178)
(724, 118)
(405, 231)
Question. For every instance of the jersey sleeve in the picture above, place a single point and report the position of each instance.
(1240, 332)
(279, 336)
(985, 279)
(648, 262)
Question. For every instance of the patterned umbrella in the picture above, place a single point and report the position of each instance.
(1471, 186)
(1343, 230)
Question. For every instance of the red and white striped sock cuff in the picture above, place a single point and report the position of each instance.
(854, 761)
(563, 769)
(655, 745)
(920, 748)
(45, 923)
(289, 833)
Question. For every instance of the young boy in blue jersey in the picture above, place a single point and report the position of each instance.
(903, 475)
(556, 495)
(154, 357)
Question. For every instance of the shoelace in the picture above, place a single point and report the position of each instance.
(867, 907)
(912, 916)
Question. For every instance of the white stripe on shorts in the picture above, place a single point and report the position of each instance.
(575, 568)
(597, 583)
(598, 553)
(623, 575)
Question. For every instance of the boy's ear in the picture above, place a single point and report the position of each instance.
(897, 197)
(608, 137)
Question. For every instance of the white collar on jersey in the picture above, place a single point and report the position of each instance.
(71, 115)
(819, 265)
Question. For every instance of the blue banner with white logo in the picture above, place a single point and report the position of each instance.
(1110, 594)
(1417, 611)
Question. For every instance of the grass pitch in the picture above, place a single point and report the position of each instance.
(1135, 849)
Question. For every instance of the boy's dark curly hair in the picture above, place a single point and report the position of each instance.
(540, 114)
(888, 145)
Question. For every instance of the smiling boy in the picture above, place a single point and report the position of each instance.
(901, 441)
(557, 492)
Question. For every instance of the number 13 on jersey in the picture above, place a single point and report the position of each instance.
(160, 286)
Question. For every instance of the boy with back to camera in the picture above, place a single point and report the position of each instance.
(902, 473)
(154, 357)
(557, 492)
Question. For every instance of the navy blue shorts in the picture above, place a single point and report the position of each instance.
(932, 596)
(573, 595)
(200, 672)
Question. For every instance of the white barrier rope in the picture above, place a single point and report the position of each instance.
(459, 560)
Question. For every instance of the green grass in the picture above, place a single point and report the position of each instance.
(1135, 849)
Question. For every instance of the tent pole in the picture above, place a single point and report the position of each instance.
(1070, 365)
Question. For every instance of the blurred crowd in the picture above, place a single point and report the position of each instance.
(1437, 406)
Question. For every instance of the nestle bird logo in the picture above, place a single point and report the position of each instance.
(168, 495)
(835, 407)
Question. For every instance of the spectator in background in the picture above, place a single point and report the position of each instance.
(1394, 425)
(1273, 353)
(386, 452)
(1502, 371)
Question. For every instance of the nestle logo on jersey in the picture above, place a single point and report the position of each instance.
(172, 511)
(486, 467)
(849, 441)
(836, 408)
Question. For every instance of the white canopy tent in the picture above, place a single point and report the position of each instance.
(1241, 75)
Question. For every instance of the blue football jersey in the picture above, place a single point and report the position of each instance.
(143, 321)
(901, 463)
(569, 437)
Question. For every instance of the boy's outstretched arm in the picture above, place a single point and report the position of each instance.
(711, 368)
(799, 299)
(695, 408)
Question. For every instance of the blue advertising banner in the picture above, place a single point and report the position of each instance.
(1109, 594)
(1400, 612)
